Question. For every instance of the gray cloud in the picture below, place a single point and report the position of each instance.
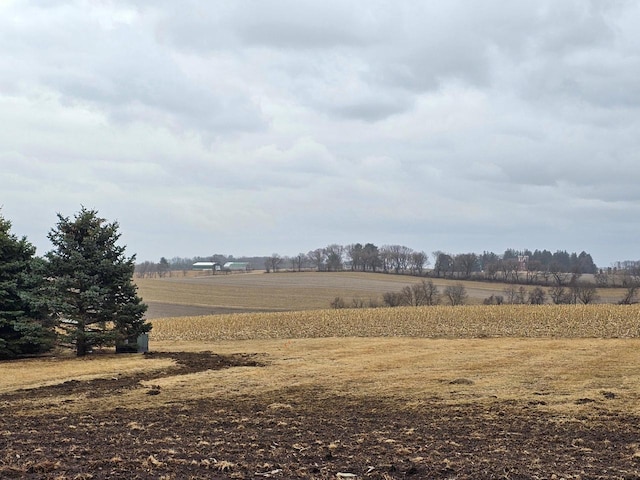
(252, 127)
(113, 64)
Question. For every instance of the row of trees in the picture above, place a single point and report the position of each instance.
(538, 267)
(525, 266)
(355, 257)
(80, 294)
(402, 259)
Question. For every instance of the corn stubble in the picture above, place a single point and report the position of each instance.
(479, 321)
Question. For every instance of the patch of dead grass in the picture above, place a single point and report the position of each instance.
(564, 375)
(468, 354)
(548, 373)
(40, 372)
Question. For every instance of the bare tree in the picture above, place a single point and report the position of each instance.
(333, 255)
(559, 277)
(521, 297)
(533, 271)
(631, 276)
(491, 271)
(631, 295)
(398, 257)
(370, 257)
(363, 257)
(456, 294)
(417, 262)
(357, 302)
(392, 299)
(514, 295)
(602, 279)
(510, 293)
(272, 263)
(443, 264)
(585, 292)
(493, 300)
(537, 296)
(559, 294)
(515, 270)
(418, 294)
(354, 255)
(546, 275)
(298, 261)
(338, 302)
(428, 292)
(146, 269)
(408, 296)
(509, 268)
(163, 267)
(466, 263)
(575, 277)
(318, 257)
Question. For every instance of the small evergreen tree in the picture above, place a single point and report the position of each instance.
(25, 324)
(96, 301)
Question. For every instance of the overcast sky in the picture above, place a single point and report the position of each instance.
(259, 127)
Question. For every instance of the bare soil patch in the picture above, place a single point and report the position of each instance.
(310, 430)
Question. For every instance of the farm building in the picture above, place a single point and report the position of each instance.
(236, 266)
(206, 266)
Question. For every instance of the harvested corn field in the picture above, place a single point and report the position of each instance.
(527, 321)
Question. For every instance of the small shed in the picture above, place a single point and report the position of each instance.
(212, 266)
(138, 344)
(236, 266)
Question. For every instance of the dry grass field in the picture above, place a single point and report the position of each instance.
(522, 392)
(209, 294)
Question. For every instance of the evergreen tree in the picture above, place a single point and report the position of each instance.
(163, 267)
(96, 301)
(25, 323)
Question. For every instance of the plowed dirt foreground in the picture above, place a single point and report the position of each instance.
(303, 433)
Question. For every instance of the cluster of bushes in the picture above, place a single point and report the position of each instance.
(427, 293)
(340, 302)
(424, 293)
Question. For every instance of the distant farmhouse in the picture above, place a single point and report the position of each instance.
(206, 266)
(227, 267)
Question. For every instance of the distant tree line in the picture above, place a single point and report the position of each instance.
(516, 266)
(79, 295)
(562, 272)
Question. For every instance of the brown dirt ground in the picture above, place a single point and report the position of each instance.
(303, 432)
